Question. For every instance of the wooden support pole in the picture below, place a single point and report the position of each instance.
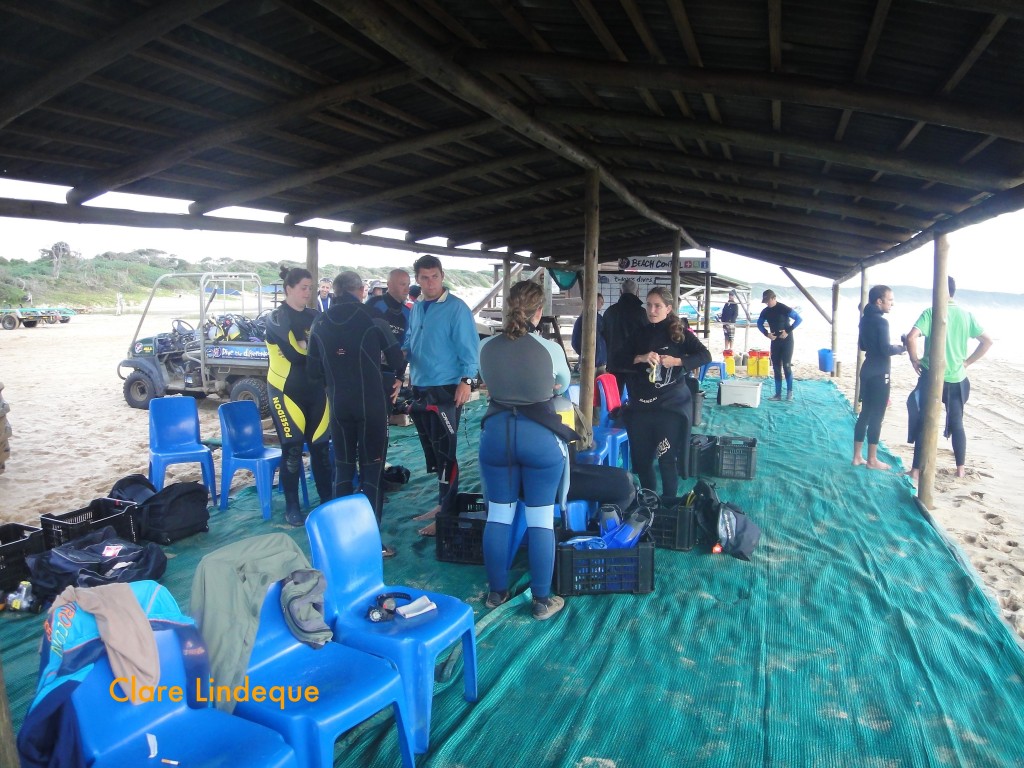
(675, 269)
(707, 296)
(807, 294)
(588, 344)
(860, 355)
(506, 283)
(313, 265)
(929, 434)
(835, 329)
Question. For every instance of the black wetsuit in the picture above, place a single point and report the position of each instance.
(345, 349)
(780, 318)
(298, 405)
(658, 417)
(874, 374)
(621, 321)
(396, 314)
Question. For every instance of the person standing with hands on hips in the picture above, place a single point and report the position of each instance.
(780, 321)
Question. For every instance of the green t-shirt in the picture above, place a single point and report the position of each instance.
(960, 326)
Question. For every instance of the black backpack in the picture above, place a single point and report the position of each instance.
(722, 527)
(164, 516)
(96, 558)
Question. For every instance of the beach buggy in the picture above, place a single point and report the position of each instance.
(203, 354)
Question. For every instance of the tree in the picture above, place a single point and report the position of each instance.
(58, 254)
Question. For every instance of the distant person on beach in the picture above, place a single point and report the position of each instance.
(956, 389)
(298, 404)
(874, 375)
(730, 312)
(621, 320)
(659, 413)
(523, 451)
(346, 346)
(600, 345)
(324, 297)
(777, 322)
(442, 347)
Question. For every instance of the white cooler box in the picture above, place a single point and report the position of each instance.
(739, 392)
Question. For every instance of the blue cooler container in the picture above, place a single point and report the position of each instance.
(825, 361)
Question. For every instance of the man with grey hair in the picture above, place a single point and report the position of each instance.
(621, 320)
(346, 345)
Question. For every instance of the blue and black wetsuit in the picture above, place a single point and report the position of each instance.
(298, 405)
(520, 457)
(874, 374)
(780, 318)
(345, 350)
(658, 418)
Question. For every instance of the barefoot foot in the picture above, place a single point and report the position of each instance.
(858, 461)
(876, 464)
(961, 471)
(429, 515)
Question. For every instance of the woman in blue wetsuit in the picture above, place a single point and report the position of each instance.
(521, 453)
(659, 414)
(297, 404)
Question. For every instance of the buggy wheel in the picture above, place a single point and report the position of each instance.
(65, 318)
(9, 322)
(252, 389)
(139, 390)
(51, 319)
(30, 323)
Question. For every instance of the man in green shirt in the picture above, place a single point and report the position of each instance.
(956, 388)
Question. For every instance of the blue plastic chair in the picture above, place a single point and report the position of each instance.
(352, 686)
(717, 365)
(174, 439)
(599, 454)
(617, 440)
(241, 433)
(113, 733)
(345, 544)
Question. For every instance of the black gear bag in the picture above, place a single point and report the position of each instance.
(722, 527)
(164, 516)
(96, 558)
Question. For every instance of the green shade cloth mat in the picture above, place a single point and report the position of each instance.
(857, 636)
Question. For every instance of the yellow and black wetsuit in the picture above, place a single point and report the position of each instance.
(298, 405)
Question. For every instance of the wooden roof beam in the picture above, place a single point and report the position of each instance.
(239, 129)
(889, 162)
(477, 171)
(327, 170)
(470, 233)
(402, 220)
(769, 213)
(797, 202)
(867, 55)
(788, 88)
(1012, 8)
(1005, 202)
(370, 18)
(152, 24)
(747, 171)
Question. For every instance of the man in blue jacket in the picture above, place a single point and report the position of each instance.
(442, 346)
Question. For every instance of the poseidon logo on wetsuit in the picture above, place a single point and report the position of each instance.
(286, 425)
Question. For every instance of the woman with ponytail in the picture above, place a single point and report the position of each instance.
(297, 404)
(660, 403)
(522, 455)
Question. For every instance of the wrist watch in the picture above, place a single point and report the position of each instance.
(467, 380)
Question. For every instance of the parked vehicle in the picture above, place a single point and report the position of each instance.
(202, 354)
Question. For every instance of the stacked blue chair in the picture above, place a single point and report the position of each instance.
(119, 733)
(345, 544)
(716, 365)
(351, 687)
(241, 432)
(174, 439)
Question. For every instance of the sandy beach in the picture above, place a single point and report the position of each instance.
(74, 435)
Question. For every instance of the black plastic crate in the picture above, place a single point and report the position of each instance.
(737, 457)
(674, 526)
(62, 528)
(460, 539)
(17, 541)
(703, 455)
(605, 571)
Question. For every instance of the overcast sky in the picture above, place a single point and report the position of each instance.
(985, 257)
